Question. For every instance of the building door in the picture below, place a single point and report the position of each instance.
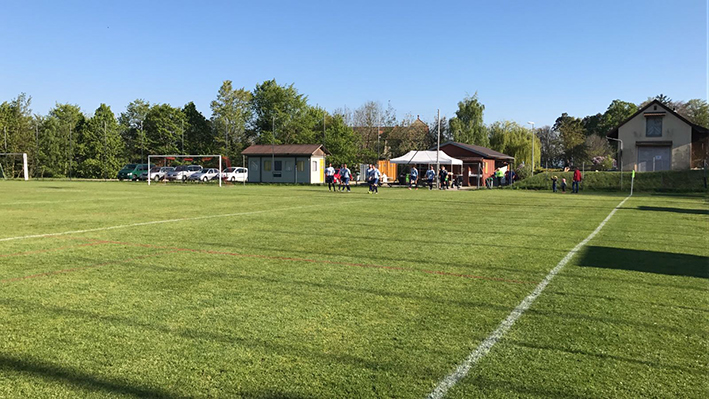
(651, 159)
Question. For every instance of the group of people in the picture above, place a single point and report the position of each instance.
(443, 175)
(574, 185)
(345, 177)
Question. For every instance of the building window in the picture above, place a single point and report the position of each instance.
(653, 126)
(266, 166)
(278, 166)
(300, 165)
(315, 166)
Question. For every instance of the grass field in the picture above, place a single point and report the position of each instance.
(294, 292)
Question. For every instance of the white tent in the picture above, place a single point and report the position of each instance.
(426, 158)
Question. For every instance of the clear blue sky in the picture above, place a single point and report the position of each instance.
(528, 60)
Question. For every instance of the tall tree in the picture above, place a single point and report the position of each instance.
(551, 154)
(467, 125)
(17, 132)
(99, 145)
(279, 108)
(571, 133)
(617, 112)
(231, 112)
(514, 140)
(341, 141)
(163, 125)
(196, 134)
(697, 111)
(66, 119)
(133, 130)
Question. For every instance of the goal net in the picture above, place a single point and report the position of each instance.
(157, 161)
(13, 165)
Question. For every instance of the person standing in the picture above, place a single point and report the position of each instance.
(430, 175)
(577, 180)
(413, 182)
(563, 185)
(369, 175)
(498, 175)
(345, 175)
(554, 179)
(443, 177)
(377, 175)
(330, 177)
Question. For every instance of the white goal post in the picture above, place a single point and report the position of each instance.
(187, 156)
(24, 163)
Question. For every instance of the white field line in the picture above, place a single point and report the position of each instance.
(123, 226)
(69, 200)
(485, 347)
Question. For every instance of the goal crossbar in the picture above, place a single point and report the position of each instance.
(24, 162)
(188, 156)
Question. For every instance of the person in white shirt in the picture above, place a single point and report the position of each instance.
(330, 178)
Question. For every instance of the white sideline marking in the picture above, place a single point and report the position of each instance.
(123, 226)
(485, 347)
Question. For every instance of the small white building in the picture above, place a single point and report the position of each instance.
(288, 163)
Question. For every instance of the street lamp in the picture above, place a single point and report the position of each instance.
(532, 123)
(620, 159)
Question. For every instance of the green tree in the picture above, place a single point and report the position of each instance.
(514, 140)
(279, 108)
(616, 113)
(341, 141)
(197, 134)
(467, 126)
(551, 153)
(163, 130)
(697, 111)
(99, 150)
(572, 135)
(17, 133)
(231, 112)
(65, 121)
(133, 130)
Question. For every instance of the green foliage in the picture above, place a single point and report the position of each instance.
(467, 126)
(572, 135)
(17, 133)
(341, 141)
(133, 130)
(697, 111)
(617, 112)
(281, 108)
(666, 181)
(199, 137)
(514, 140)
(99, 150)
(231, 112)
(163, 130)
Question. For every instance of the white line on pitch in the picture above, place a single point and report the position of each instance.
(484, 347)
(123, 226)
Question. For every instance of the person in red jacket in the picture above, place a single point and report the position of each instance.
(577, 180)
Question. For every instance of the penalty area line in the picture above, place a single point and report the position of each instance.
(123, 226)
(484, 348)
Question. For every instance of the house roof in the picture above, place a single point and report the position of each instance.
(285, 149)
(614, 133)
(479, 150)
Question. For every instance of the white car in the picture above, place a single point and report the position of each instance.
(236, 174)
(183, 172)
(157, 173)
(205, 175)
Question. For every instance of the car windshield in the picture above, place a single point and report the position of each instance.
(180, 168)
(167, 169)
(194, 168)
(142, 167)
(155, 169)
(131, 166)
(229, 170)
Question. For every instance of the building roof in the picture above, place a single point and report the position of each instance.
(481, 151)
(286, 149)
(614, 133)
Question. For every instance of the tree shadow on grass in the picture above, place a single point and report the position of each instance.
(645, 261)
(675, 210)
(78, 379)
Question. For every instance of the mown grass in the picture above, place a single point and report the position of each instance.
(685, 181)
(302, 293)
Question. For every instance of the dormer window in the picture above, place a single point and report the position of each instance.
(653, 126)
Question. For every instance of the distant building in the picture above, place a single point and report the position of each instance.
(658, 138)
(289, 163)
(478, 161)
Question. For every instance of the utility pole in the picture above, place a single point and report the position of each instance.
(531, 123)
(273, 146)
(104, 151)
(438, 149)
(5, 138)
(142, 141)
(71, 151)
(182, 129)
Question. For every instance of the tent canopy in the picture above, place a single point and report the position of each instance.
(426, 158)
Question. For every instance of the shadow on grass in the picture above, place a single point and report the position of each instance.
(78, 379)
(645, 261)
(674, 210)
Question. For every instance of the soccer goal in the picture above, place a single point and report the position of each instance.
(13, 156)
(166, 158)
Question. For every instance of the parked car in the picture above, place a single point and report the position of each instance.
(156, 173)
(132, 171)
(236, 174)
(205, 175)
(183, 172)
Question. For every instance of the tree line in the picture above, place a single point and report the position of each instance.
(70, 143)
